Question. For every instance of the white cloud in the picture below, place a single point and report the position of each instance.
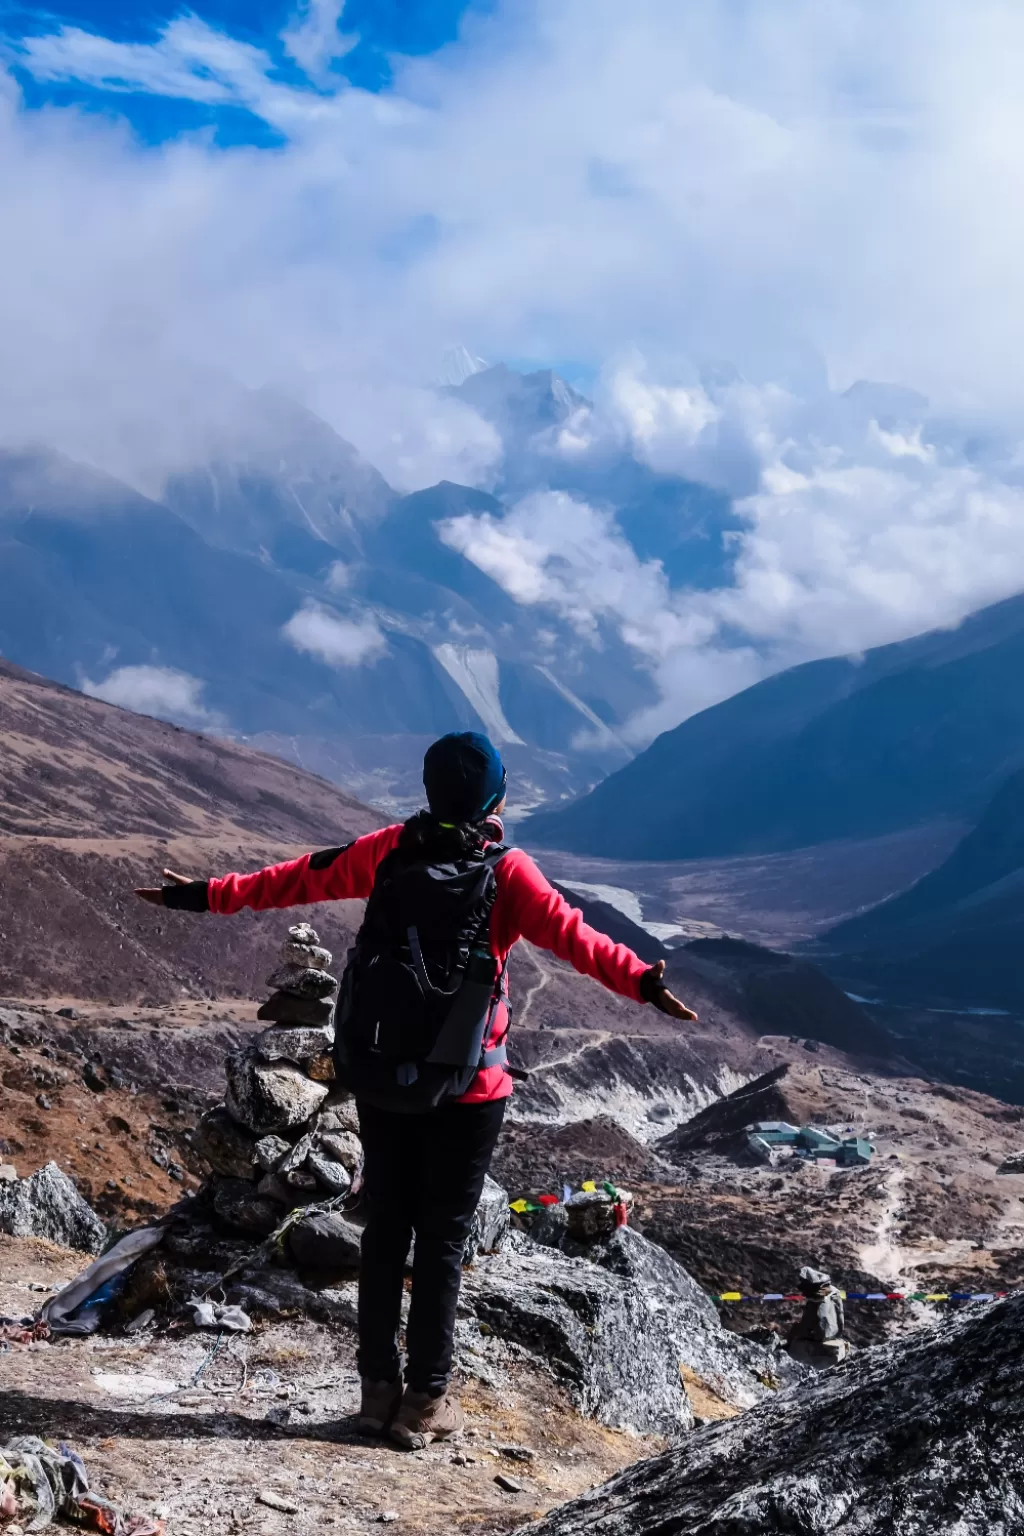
(638, 187)
(340, 642)
(314, 40)
(856, 536)
(159, 691)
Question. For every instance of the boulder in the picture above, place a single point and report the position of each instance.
(343, 1146)
(225, 1145)
(600, 1336)
(491, 1222)
(298, 1044)
(1014, 1163)
(924, 1437)
(286, 1008)
(267, 1097)
(238, 1204)
(618, 1332)
(729, 1366)
(303, 981)
(47, 1204)
(325, 1240)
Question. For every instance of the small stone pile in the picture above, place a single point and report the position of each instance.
(285, 1135)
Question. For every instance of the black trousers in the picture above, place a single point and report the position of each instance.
(423, 1174)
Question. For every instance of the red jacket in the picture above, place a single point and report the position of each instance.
(526, 907)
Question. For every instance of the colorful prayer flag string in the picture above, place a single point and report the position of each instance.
(737, 1296)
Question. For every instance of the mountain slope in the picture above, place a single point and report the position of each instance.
(843, 748)
(958, 933)
(95, 800)
(916, 1437)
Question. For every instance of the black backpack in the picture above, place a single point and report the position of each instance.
(420, 990)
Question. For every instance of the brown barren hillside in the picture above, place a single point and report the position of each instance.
(95, 800)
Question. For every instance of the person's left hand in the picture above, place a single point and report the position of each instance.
(155, 894)
(656, 992)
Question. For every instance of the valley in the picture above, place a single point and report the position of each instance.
(116, 1020)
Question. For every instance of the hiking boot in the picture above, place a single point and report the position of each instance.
(380, 1403)
(423, 1418)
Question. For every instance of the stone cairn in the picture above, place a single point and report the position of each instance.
(285, 1135)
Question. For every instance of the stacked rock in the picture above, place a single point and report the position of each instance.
(284, 1136)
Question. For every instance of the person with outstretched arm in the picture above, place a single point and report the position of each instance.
(421, 1024)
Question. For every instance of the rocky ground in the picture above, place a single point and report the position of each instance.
(271, 1414)
(921, 1438)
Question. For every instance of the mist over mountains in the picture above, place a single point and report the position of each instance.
(283, 591)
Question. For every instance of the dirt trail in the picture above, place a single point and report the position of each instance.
(884, 1257)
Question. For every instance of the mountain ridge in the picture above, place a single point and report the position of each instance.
(844, 747)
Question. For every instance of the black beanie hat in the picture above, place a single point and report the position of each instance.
(463, 776)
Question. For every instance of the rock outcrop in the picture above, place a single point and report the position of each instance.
(47, 1204)
(617, 1328)
(915, 1439)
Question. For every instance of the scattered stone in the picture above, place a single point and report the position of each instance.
(303, 981)
(274, 1500)
(1012, 1164)
(176, 1172)
(67, 1013)
(92, 1078)
(300, 1045)
(43, 1101)
(343, 1146)
(142, 1321)
(508, 1484)
(387, 1517)
(286, 1008)
(517, 1452)
(8, 1173)
(332, 1175)
(160, 1157)
(48, 1205)
(269, 1098)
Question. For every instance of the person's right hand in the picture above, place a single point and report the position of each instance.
(654, 990)
(155, 894)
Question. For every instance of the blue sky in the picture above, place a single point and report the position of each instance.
(384, 29)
